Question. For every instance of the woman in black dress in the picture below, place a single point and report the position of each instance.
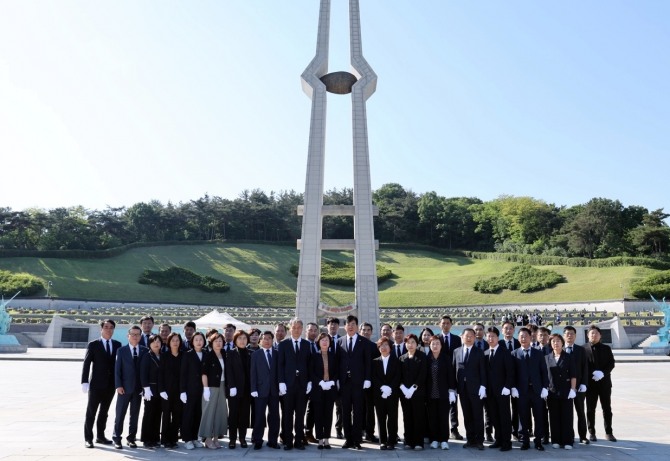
(413, 388)
(168, 386)
(149, 368)
(440, 379)
(322, 374)
(562, 389)
(238, 371)
(191, 391)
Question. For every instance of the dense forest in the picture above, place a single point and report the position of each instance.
(597, 229)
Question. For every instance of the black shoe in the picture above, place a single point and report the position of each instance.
(372, 439)
(103, 441)
(258, 445)
(273, 445)
(584, 440)
(525, 446)
(467, 445)
(495, 445)
(243, 444)
(148, 445)
(357, 446)
(340, 434)
(506, 448)
(89, 444)
(489, 438)
(327, 446)
(455, 435)
(382, 447)
(132, 444)
(480, 446)
(390, 447)
(593, 438)
(545, 440)
(347, 445)
(610, 437)
(539, 447)
(288, 447)
(310, 437)
(232, 445)
(299, 446)
(320, 447)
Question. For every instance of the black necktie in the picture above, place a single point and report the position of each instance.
(297, 348)
(509, 345)
(397, 350)
(109, 350)
(467, 355)
(569, 350)
(527, 352)
(135, 356)
(491, 356)
(351, 344)
(268, 356)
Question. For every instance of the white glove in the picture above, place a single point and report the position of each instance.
(282, 388)
(545, 393)
(254, 394)
(482, 392)
(452, 396)
(572, 394)
(323, 385)
(164, 395)
(515, 393)
(386, 390)
(598, 375)
(206, 393)
(410, 392)
(505, 391)
(183, 397)
(309, 387)
(233, 391)
(582, 388)
(404, 390)
(84, 388)
(147, 394)
(367, 384)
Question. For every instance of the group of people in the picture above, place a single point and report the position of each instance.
(296, 381)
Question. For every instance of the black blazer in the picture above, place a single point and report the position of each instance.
(102, 376)
(515, 344)
(191, 373)
(403, 350)
(413, 372)
(149, 370)
(578, 355)
(446, 380)
(356, 364)
(238, 369)
(500, 370)
(454, 342)
(170, 374)
(485, 345)
(471, 375)
(211, 367)
(391, 378)
(293, 367)
(264, 376)
(316, 370)
(535, 372)
(560, 374)
(599, 357)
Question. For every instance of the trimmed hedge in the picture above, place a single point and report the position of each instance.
(178, 277)
(27, 284)
(540, 260)
(344, 273)
(657, 285)
(524, 278)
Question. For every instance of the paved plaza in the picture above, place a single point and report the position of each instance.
(42, 416)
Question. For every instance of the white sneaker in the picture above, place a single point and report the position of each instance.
(189, 445)
(198, 444)
(433, 444)
(556, 446)
(568, 447)
(444, 445)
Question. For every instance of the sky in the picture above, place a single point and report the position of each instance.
(108, 104)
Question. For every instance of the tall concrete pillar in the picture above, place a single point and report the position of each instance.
(361, 83)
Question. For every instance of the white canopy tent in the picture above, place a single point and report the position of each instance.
(216, 319)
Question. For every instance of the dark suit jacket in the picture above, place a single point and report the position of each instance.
(169, 375)
(211, 367)
(403, 350)
(581, 364)
(484, 347)
(191, 373)
(500, 370)
(238, 369)
(144, 340)
(471, 375)
(126, 374)
(454, 342)
(293, 367)
(534, 372)
(391, 378)
(445, 371)
(515, 344)
(149, 371)
(599, 357)
(560, 373)
(357, 364)
(316, 370)
(413, 372)
(264, 378)
(102, 376)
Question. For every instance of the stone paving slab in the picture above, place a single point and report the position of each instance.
(42, 411)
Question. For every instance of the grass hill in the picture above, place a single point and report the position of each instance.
(259, 276)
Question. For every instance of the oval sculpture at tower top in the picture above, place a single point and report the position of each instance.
(339, 82)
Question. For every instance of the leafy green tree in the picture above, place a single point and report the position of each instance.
(652, 237)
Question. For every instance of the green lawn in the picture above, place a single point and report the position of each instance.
(259, 276)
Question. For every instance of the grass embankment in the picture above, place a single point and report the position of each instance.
(259, 276)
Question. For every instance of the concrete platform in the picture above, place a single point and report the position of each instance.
(42, 412)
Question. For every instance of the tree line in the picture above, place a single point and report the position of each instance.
(597, 229)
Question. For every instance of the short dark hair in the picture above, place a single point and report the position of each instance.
(229, 325)
(569, 328)
(172, 335)
(411, 336)
(147, 317)
(556, 335)
(447, 317)
(382, 340)
(595, 327)
(471, 330)
(399, 327)
(493, 330)
(190, 323)
(526, 330)
(239, 333)
(268, 332)
(102, 323)
(154, 338)
(508, 322)
(367, 324)
(332, 320)
(352, 318)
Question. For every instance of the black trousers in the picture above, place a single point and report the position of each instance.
(414, 417)
(134, 401)
(271, 405)
(498, 408)
(172, 410)
(531, 402)
(369, 412)
(293, 415)
(151, 420)
(596, 392)
(239, 411)
(191, 416)
(322, 408)
(387, 419)
(560, 421)
(351, 396)
(579, 402)
(473, 417)
(99, 402)
(438, 427)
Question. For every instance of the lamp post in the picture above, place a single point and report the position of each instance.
(49, 285)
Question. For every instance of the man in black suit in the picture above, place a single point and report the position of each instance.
(398, 348)
(164, 331)
(500, 381)
(128, 388)
(368, 403)
(530, 388)
(470, 367)
(294, 384)
(355, 375)
(147, 324)
(579, 357)
(100, 383)
(228, 333)
(189, 331)
(333, 325)
(509, 342)
(600, 365)
(311, 332)
(265, 391)
(480, 340)
(451, 342)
